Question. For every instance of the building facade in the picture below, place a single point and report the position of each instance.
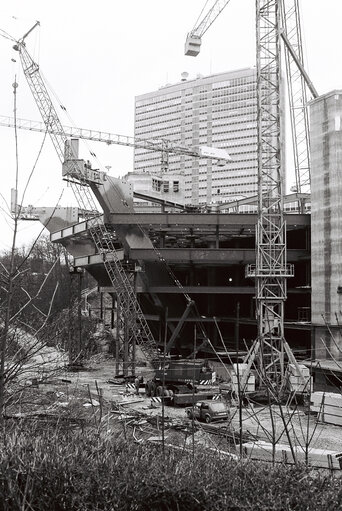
(326, 223)
(215, 111)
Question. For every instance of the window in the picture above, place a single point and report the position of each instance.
(156, 185)
(165, 186)
(176, 186)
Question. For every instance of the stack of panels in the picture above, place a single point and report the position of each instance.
(241, 369)
(296, 381)
(328, 407)
(322, 458)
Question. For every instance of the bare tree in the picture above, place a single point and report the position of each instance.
(27, 298)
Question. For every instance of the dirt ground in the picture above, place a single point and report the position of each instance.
(256, 419)
(89, 395)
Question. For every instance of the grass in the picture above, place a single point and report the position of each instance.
(53, 469)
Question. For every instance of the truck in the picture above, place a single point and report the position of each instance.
(186, 371)
(176, 381)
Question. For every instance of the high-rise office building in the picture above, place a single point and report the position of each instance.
(216, 111)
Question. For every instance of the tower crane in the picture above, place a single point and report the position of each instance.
(158, 145)
(271, 271)
(85, 182)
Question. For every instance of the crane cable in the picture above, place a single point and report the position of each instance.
(168, 268)
(70, 119)
(200, 15)
(188, 299)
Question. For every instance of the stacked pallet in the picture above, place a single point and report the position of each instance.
(296, 379)
(328, 407)
(237, 374)
(321, 458)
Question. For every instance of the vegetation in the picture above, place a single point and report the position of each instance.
(38, 308)
(74, 470)
(39, 273)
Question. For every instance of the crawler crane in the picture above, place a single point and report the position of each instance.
(132, 325)
(85, 182)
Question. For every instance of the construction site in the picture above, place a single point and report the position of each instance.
(234, 301)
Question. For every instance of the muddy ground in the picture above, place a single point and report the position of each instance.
(89, 396)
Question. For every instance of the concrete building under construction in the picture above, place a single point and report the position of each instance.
(171, 256)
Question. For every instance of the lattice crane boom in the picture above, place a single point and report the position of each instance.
(82, 180)
(157, 145)
(299, 85)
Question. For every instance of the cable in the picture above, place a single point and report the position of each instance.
(41, 231)
(70, 119)
(200, 14)
(5, 35)
(33, 169)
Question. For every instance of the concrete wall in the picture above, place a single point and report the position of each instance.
(326, 222)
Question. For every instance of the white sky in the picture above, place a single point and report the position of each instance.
(97, 56)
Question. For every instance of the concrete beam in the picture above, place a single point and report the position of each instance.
(230, 290)
(208, 256)
(199, 219)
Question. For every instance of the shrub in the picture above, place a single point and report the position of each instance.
(69, 470)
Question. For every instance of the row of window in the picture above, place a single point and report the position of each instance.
(171, 96)
(197, 128)
(196, 102)
(164, 186)
(234, 90)
(199, 89)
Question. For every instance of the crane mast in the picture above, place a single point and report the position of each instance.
(132, 326)
(271, 269)
(270, 350)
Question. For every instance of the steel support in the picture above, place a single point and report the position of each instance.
(271, 270)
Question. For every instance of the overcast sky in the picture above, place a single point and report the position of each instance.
(96, 56)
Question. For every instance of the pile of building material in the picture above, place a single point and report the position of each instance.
(299, 378)
(282, 453)
(238, 375)
(328, 407)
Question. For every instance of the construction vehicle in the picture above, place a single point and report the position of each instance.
(196, 371)
(175, 381)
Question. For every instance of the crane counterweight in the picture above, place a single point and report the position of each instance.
(192, 45)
